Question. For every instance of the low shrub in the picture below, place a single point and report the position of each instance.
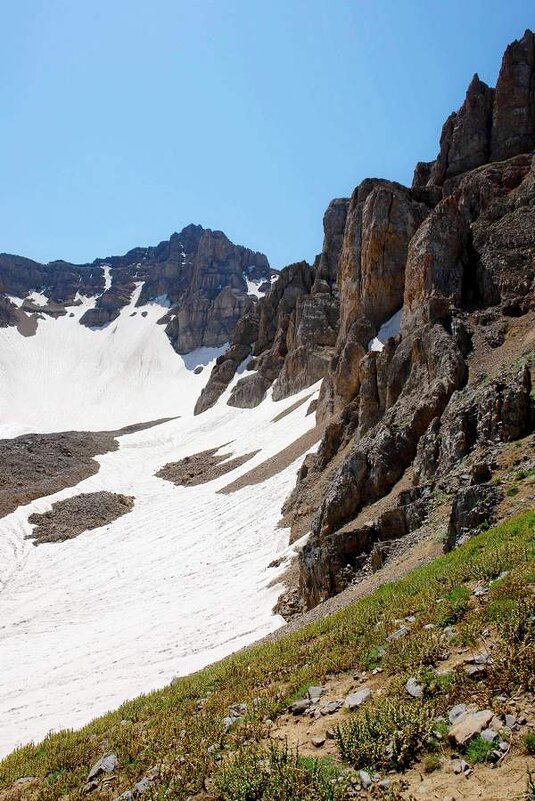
(278, 774)
(390, 734)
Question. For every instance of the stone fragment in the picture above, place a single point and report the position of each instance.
(354, 700)
(468, 725)
(488, 735)
(318, 742)
(105, 764)
(455, 711)
(397, 635)
(365, 779)
(299, 707)
(475, 671)
(413, 688)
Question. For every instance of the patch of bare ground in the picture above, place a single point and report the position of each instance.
(199, 468)
(486, 361)
(27, 323)
(72, 516)
(36, 465)
(291, 408)
(275, 464)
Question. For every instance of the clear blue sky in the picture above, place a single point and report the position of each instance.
(124, 120)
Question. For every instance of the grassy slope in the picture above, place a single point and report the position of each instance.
(183, 739)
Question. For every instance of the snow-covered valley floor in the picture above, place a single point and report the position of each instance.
(182, 579)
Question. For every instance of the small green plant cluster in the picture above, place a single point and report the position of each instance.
(390, 734)
(528, 741)
(278, 774)
(479, 750)
(454, 606)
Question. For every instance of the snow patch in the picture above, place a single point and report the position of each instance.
(38, 299)
(389, 329)
(180, 581)
(107, 277)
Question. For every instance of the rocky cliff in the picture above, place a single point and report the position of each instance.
(448, 267)
(199, 274)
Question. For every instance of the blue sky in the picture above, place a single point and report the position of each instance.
(124, 120)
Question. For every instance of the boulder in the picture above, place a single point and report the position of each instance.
(468, 725)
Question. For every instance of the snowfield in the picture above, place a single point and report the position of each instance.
(178, 582)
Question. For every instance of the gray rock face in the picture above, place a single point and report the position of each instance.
(295, 328)
(474, 247)
(492, 124)
(105, 764)
(503, 411)
(465, 139)
(472, 506)
(513, 122)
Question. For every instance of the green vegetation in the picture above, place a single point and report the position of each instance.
(479, 750)
(278, 774)
(528, 741)
(390, 734)
(431, 762)
(185, 742)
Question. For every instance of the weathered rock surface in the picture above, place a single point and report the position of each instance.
(472, 506)
(492, 124)
(468, 725)
(456, 253)
(475, 418)
(291, 333)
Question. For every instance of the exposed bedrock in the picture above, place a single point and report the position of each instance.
(329, 566)
(8, 313)
(492, 124)
(468, 268)
(476, 417)
(296, 328)
(381, 219)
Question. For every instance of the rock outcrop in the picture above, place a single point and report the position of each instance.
(492, 124)
(457, 254)
(288, 340)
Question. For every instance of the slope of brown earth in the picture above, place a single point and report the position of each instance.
(199, 468)
(35, 465)
(275, 464)
(291, 408)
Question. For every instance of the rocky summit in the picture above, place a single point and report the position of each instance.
(199, 274)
